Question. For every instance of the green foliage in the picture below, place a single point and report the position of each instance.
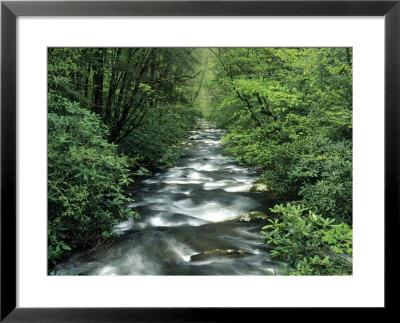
(123, 85)
(86, 177)
(110, 111)
(286, 110)
(309, 244)
(159, 138)
(289, 111)
(324, 177)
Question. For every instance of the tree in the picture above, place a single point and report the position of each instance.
(123, 84)
(289, 110)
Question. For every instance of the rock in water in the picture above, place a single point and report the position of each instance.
(262, 188)
(259, 187)
(194, 137)
(213, 253)
(253, 217)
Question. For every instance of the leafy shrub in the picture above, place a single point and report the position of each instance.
(325, 174)
(86, 177)
(318, 170)
(309, 244)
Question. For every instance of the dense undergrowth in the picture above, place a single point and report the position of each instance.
(86, 176)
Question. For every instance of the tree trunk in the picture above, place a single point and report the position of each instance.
(98, 80)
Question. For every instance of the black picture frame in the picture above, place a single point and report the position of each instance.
(10, 10)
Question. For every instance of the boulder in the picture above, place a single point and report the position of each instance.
(259, 187)
(213, 253)
(253, 217)
(194, 137)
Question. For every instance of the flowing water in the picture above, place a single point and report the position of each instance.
(182, 210)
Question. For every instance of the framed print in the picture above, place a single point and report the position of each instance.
(235, 119)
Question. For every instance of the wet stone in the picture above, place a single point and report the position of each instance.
(227, 253)
(259, 187)
(253, 217)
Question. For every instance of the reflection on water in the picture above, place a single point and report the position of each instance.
(181, 211)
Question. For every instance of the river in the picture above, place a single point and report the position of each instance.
(182, 210)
